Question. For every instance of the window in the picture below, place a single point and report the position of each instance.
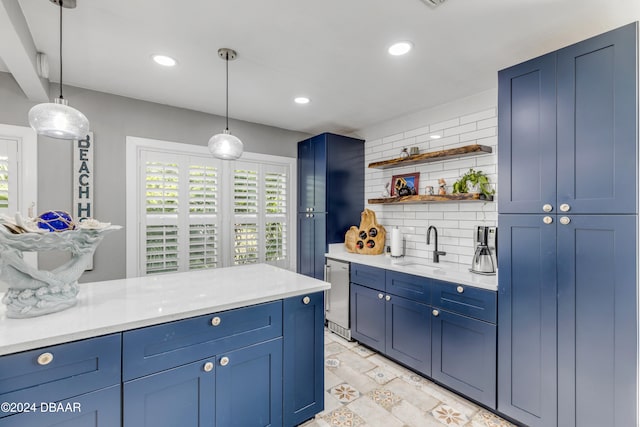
(193, 211)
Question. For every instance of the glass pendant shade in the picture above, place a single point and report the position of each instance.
(58, 120)
(225, 146)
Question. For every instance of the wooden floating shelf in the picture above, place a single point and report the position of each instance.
(459, 197)
(467, 150)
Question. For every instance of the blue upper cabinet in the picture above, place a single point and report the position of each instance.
(568, 129)
(527, 145)
(330, 183)
(597, 113)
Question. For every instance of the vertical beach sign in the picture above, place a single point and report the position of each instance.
(83, 180)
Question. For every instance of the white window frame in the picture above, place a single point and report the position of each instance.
(136, 145)
(27, 174)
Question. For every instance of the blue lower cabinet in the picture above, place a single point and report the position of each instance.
(303, 357)
(249, 386)
(463, 354)
(182, 396)
(408, 332)
(368, 316)
(97, 409)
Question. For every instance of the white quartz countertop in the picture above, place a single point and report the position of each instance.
(448, 272)
(120, 305)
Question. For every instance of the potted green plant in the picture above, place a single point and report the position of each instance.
(474, 178)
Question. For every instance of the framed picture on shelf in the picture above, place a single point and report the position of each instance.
(405, 185)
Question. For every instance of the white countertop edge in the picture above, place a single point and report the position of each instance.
(99, 313)
(448, 272)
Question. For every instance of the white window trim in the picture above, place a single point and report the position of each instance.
(27, 172)
(134, 145)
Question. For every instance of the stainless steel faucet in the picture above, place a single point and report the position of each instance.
(436, 252)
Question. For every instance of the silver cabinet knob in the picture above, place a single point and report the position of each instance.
(436, 313)
(306, 300)
(547, 208)
(565, 207)
(310, 215)
(208, 367)
(388, 298)
(45, 359)
(565, 220)
(380, 296)
(224, 361)
(460, 289)
(547, 220)
(215, 321)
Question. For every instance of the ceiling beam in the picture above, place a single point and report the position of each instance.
(18, 51)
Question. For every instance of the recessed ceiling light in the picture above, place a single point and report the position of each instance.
(301, 100)
(436, 136)
(164, 60)
(400, 48)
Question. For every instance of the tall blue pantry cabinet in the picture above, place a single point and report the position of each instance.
(330, 196)
(568, 218)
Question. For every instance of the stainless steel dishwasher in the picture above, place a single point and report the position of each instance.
(337, 298)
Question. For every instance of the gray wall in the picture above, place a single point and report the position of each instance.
(113, 118)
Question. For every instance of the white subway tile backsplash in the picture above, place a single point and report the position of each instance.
(455, 221)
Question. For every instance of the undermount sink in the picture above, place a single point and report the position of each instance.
(418, 266)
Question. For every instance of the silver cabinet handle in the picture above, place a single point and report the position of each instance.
(215, 321)
(224, 361)
(327, 273)
(306, 300)
(327, 301)
(380, 296)
(388, 298)
(547, 220)
(565, 207)
(208, 367)
(547, 207)
(45, 359)
(460, 289)
(565, 220)
(436, 313)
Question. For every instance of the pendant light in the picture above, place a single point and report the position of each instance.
(56, 119)
(224, 145)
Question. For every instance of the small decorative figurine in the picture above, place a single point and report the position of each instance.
(443, 189)
(404, 153)
(429, 190)
(386, 191)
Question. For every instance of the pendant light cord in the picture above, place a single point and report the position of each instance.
(60, 2)
(227, 113)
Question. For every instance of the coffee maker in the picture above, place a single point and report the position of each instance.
(485, 257)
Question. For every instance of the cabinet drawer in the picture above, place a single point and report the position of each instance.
(371, 277)
(467, 300)
(165, 346)
(409, 286)
(59, 372)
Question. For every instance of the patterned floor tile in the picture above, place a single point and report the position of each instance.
(362, 351)
(449, 416)
(373, 414)
(487, 419)
(343, 417)
(384, 398)
(331, 363)
(345, 393)
(333, 348)
(381, 375)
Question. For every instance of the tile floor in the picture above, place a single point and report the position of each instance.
(363, 388)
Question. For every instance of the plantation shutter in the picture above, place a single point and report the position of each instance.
(8, 177)
(246, 209)
(275, 213)
(180, 223)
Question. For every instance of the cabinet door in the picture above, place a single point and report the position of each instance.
(319, 149)
(408, 332)
(183, 396)
(249, 386)
(463, 354)
(527, 136)
(97, 409)
(368, 316)
(311, 244)
(303, 357)
(527, 387)
(597, 115)
(597, 323)
(312, 174)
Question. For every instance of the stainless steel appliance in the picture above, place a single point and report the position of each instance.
(337, 298)
(484, 259)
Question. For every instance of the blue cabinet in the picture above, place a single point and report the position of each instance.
(568, 279)
(368, 316)
(303, 358)
(330, 196)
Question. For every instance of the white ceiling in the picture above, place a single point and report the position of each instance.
(333, 51)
